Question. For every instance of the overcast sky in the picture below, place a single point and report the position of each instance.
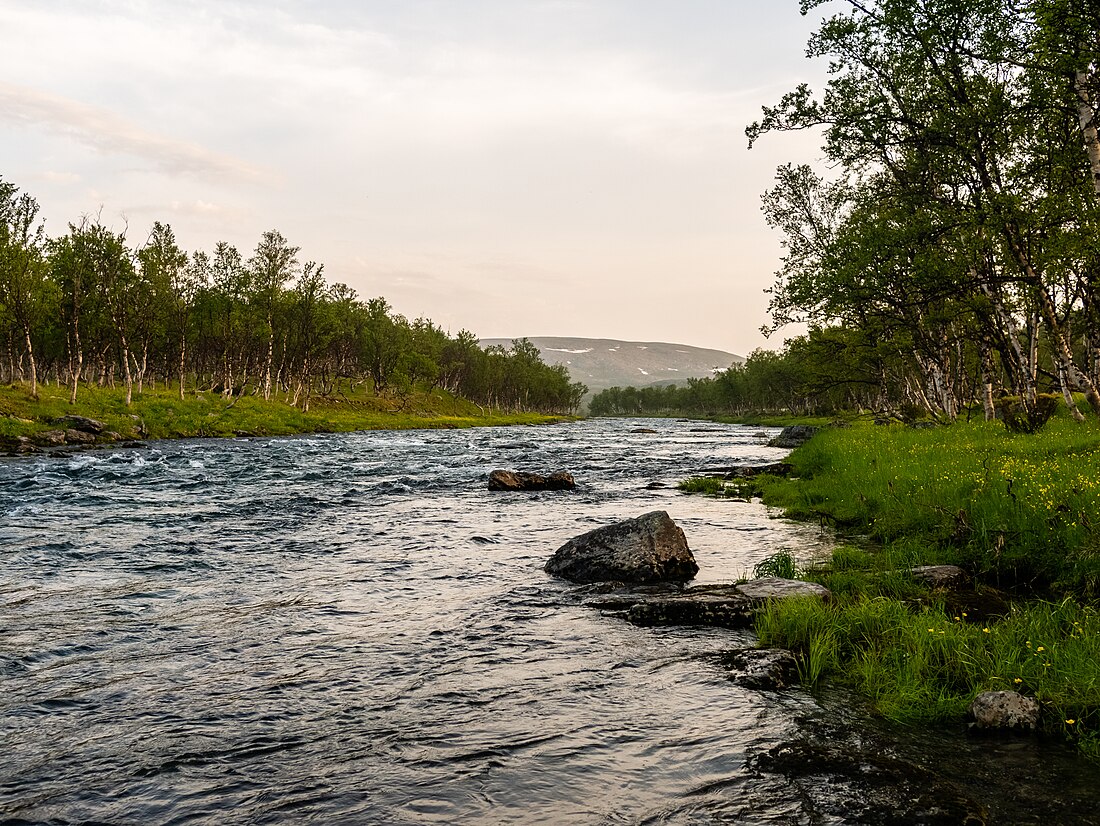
(512, 167)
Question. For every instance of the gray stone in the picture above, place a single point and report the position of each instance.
(79, 437)
(650, 548)
(1004, 711)
(767, 588)
(643, 430)
(940, 576)
(81, 423)
(49, 438)
(515, 480)
(794, 436)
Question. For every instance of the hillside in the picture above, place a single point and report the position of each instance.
(601, 363)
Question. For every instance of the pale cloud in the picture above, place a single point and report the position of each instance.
(515, 167)
(106, 132)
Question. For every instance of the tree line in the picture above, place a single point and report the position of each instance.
(87, 307)
(950, 256)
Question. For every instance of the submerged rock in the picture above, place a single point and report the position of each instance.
(1004, 711)
(794, 436)
(840, 784)
(515, 480)
(710, 609)
(769, 669)
(650, 548)
(722, 606)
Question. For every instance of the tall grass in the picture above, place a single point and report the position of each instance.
(927, 665)
(1021, 510)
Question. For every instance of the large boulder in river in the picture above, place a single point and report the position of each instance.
(794, 436)
(650, 548)
(514, 480)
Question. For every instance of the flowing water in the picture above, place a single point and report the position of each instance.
(351, 629)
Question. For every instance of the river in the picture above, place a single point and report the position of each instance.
(351, 628)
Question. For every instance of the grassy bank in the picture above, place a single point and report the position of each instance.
(161, 414)
(1020, 513)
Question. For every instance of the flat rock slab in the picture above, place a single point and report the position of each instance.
(517, 480)
(721, 606)
(1004, 711)
(693, 609)
(650, 548)
(767, 588)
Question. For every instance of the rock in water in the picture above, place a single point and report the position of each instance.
(1004, 711)
(650, 548)
(513, 480)
(794, 436)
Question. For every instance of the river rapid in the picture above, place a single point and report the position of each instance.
(351, 628)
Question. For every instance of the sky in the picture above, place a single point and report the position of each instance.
(510, 167)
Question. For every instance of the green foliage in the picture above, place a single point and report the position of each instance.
(780, 564)
(1023, 511)
(87, 309)
(1021, 418)
(926, 664)
(949, 261)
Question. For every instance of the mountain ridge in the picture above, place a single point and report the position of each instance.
(607, 362)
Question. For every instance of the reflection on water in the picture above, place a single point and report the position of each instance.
(352, 629)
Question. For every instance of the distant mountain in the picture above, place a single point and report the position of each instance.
(602, 362)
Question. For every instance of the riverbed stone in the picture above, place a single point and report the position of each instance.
(748, 471)
(714, 610)
(770, 588)
(81, 423)
(520, 481)
(767, 669)
(836, 783)
(649, 548)
(79, 437)
(49, 438)
(794, 436)
(940, 576)
(1004, 711)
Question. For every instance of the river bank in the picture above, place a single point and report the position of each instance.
(160, 414)
(1019, 513)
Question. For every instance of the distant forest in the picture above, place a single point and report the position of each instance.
(950, 256)
(90, 307)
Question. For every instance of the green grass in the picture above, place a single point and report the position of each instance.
(740, 489)
(927, 665)
(164, 415)
(1019, 512)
